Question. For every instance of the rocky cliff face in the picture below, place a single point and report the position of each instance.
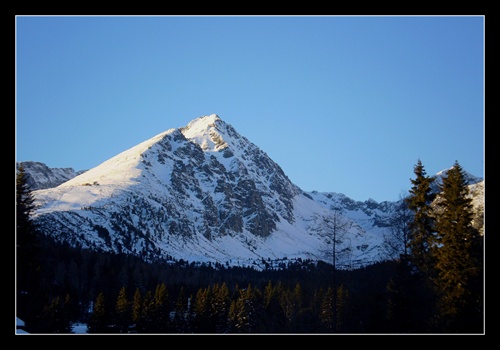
(205, 193)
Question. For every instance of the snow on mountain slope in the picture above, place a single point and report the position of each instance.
(40, 176)
(205, 193)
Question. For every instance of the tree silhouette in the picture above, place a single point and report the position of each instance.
(422, 226)
(29, 285)
(137, 307)
(98, 322)
(459, 256)
(122, 311)
(338, 226)
(57, 317)
(180, 319)
(397, 239)
(327, 311)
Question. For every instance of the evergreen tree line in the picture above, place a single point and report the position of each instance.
(434, 285)
(217, 309)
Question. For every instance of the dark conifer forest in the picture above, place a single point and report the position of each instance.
(436, 285)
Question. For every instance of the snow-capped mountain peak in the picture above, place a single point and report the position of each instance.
(204, 193)
(206, 132)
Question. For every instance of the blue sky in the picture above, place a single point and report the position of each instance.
(343, 104)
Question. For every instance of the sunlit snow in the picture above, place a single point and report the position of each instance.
(144, 173)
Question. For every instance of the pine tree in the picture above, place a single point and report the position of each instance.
(316, 302)
(274, 318)
(28, 264)
(137, 307)
(24, 209)
(342, 309)
(122, 311)
(295, 302)
(57, 317)
(459, 256)
(243, 311)
(180, 319)
(145, 323)
(422, 226)
(327, 311)
(220, 307)
(161, 317)
(420, 307)
(98, 320)
(202, 311)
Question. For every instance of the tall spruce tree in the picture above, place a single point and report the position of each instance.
(26, 244)
(418, 306)
(122, 311)
(422, 226)
(220, 307)
(459, 256)
(274, 319)
(98, 322)
(28, 276)
(327, 312)
(201, 308)
(56, 316)
(137, 307)
(242, 312)
(180, 318)
(145, 322)
(161, 310)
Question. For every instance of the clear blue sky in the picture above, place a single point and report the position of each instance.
(342, 103)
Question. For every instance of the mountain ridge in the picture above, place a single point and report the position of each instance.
(204, 192)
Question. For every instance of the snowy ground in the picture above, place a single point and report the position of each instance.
(77, 328)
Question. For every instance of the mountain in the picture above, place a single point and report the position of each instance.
(40, 176)
(205, 193)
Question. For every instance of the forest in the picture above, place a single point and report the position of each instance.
(434, 285)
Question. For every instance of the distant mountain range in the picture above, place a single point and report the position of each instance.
(205, 193)
(40, 176)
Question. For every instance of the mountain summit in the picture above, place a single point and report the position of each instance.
(199, 192)
(205, 193)
(209, 132)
